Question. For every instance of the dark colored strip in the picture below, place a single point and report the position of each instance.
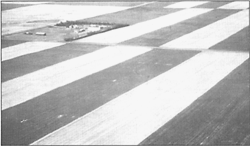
(237, 42)
(213, 5)
(8, 43)
(12, 6)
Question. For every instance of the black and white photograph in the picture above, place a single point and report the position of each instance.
(125, 72)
